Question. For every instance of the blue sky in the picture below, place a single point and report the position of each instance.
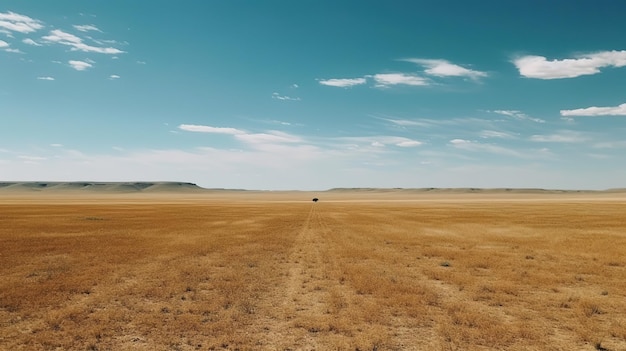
(313, 95)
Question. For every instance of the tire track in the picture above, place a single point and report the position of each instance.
(301, 302)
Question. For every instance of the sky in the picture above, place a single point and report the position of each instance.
(313, 95)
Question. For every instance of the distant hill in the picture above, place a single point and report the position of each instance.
(473, 190)
(183, 187)
(101, 187)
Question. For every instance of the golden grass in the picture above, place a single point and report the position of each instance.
(278, 275)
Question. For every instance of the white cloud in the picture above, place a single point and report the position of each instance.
(387, 79)
(19, 23)
(45, 78)
(114, 76)
(209, 129)
(541, 68)
(382, 140)
(86, 28)
(518, 115)
(343, 82)
(597, 111)
(460, 142)
(29, 41)
(77, 44)
(80, 65)
(409, 143)
(473, 146)
(277, 96)
(56, 145)
(404, 122)
(611, 145)
(15, 51)
(443, 68)
(496, 134)
(565, 136)
(269, 137)
(4, 44)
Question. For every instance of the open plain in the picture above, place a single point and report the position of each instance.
(358, 270)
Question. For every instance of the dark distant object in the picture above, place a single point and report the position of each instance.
(315, 199)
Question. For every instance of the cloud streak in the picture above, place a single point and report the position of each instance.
(444, 68)
(19, 23)
(565, 136)
(433, 67)
(29, 41)
(382, 140)
(277, 96)
(208, 129)
(86, 28)
(540, 67)
(473, 146)
(343, 82)
(77, 44)
(596, 111)
(387, 79)
(270, 137)
(519, 115)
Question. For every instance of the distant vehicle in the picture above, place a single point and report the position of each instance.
(315, 199)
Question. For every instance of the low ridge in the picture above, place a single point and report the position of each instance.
(113, 187)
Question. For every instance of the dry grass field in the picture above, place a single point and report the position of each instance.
(283, 273)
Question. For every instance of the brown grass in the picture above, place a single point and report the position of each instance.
(288, 275)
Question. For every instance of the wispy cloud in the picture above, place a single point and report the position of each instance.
(45, 78)
(444, 68)
(388, 79)
(469, 145)
(79, 65)
(343, 82)
(541, 68)
(31, 159)
(76, 43)
(19, 23)
(277, 96)
(114, 76)
(434, 68)
(86, 28)
(3, 44)
(273, 136)
(620, 144)
(518, 115)
(382, 140)
(405, 122)
(29, 41)
(496, 134)
(564, 136)
(209, 129)
(597, 111)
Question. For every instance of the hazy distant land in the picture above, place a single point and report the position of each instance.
(186, 187)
